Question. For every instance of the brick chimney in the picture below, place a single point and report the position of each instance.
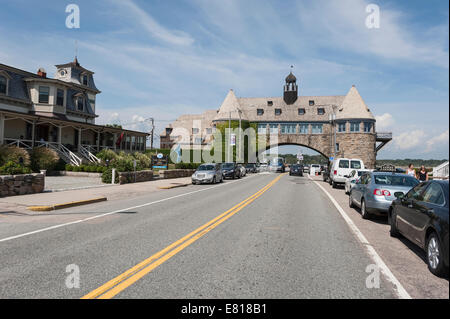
(41, 72)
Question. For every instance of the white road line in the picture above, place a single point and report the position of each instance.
(115, 212)
(399, 289)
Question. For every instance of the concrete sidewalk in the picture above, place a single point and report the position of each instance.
(112, 192)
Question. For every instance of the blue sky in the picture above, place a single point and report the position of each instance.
(162, 59)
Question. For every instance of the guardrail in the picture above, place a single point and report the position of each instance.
(384, 135)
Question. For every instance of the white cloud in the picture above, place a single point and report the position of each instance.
(409, 140)
(135, 13)
(439, 140)
(384, 121)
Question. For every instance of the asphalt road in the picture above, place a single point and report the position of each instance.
(277, 238)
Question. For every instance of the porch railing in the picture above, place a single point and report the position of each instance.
(86, 152)
(26, 144)
(67, 155)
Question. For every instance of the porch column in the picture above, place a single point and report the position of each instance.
(98, 141)
(131, 143)
(114, 141)
(59, 134)
(33, 133)
(79, 139)
(2, 129)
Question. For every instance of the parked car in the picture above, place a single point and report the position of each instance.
(277, 165)
(374, 191)
(208, 173)
(263, 167)
(341, 168)
(351, 180)
(251, 168)
(422, 217)
(243, 170)
(296, 169)
(231, 170)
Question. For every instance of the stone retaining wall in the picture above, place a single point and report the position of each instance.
(129, 177)
(11, 185)
(176, 173)
(75, 174)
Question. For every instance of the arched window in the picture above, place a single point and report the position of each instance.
(3, 84)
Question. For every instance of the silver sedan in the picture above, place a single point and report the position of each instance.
(208, 173)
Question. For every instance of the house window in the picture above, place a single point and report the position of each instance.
(317, 128)
(269, 103)
(303, 128)
(354, 127)
(85, 79)
(337, 147)
(80, 103)
(195, 130)
(311, 102)
(320, 111)
(288, 128)
(341, 127)
(209, 130)
(301, 112)
(60, 97)
(3, 84)
(198, 140)
(277, 111)
(43, 94)
(262, 129)
(273, 128)
(259, 112)
(367, 127)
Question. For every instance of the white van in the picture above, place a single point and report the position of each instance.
(341, 169)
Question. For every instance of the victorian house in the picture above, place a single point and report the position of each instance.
(58, 113)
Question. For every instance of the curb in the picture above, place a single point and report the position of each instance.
(66, 205)
(173, 186)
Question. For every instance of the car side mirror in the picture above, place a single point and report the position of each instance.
(399, 195)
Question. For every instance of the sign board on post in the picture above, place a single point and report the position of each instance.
(160, 161)
(233, 139)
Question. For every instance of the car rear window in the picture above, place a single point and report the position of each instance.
(206, 168)
(343, 164)
(355, 164)
(395, 180)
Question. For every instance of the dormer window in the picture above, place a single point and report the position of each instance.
(43, 94)
(80, 103)
(277, 111)
(301, 111)
(259, 112)
(320, 111)
(269, 103)
(311, 103)
(84, 79)
(3, 84)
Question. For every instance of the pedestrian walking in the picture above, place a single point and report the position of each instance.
(411, 171)
(423, 174)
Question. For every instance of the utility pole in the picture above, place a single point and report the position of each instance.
(152, 132)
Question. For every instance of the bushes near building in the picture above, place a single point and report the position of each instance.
(14, 154)
(12, 168)
(43, 159)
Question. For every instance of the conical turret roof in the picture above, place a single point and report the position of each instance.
(354, 106)
(230, 108)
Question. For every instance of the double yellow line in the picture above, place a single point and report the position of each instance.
(129, 277)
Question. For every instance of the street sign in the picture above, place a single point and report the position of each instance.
(160, 162)
(331, 158)
(300, 157)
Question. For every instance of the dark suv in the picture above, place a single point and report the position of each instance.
(231, 170)
(296, 169)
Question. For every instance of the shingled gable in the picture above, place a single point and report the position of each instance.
(354, 107)
(230, 108)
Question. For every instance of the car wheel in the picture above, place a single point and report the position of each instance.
(334, 185)
(214, 180)
(329, 181)
(393, 231)
(350, 201)
(434, 256)
(364, 213)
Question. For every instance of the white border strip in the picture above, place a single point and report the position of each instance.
(117, 211)
(399, 289)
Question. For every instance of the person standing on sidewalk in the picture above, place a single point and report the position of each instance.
(411, 171)
(423, 174)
